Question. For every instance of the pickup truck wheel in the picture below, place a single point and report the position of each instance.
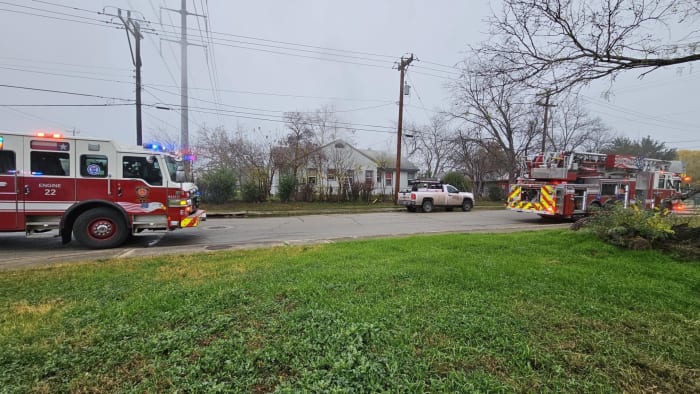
(467, 205)
(100, 228)
(427, 206)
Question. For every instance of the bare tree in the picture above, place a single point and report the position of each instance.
(299, 140)
(573, 127)
(480, 161)
(339, 164)
(556, 44)
(499, 112)
(218, 148)
(431, 145)
(259, 164)
(327, 126)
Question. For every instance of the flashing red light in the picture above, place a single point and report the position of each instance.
(48, 135)
(686, 179)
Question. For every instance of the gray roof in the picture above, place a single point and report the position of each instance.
(389, 159)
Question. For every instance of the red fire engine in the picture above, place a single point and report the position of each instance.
(571, 184)
(91, 189)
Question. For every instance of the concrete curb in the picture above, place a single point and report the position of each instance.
(254, 214)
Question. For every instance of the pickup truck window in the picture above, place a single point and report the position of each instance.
(452, 189)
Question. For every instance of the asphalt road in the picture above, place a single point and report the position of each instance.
(18, 251)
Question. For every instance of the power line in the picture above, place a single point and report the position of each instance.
(289, 46)
(92, 20)
(175, 36)
(287, 53)
(275, 111)
(28, 115)
(63, 6)
(63, 92)
(88, 66)
(283, 94)
(65, 75)
(283, 121)
(629, 111)
(67, 105)
(315, 48)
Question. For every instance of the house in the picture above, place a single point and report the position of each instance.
(334, 167)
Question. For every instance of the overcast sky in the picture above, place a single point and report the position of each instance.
(267, 59)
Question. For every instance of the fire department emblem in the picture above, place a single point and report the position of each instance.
(142, 193)
(93, 169)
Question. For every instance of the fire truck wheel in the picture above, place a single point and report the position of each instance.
(666, 206)
(100, 228)
(427, 206)
(594, 208)
(467, 205)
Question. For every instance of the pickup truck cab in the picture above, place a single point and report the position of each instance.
(427, 195)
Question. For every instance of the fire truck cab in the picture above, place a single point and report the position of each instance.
(91, 189)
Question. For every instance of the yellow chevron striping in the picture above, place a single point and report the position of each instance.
(515, 192)
(189, 222)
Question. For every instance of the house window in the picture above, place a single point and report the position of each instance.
(311, 180)
(331, 174)
(369, 176)
(350, 174)
(411, 177)
(388, 178)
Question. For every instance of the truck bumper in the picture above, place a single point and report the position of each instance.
(408, 203)
(193, 220)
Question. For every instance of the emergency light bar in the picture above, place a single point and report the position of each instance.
(2, 143)
(48, 135)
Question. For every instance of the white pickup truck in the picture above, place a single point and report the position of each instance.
(427, 195)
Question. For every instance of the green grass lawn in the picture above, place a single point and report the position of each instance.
(545, 311)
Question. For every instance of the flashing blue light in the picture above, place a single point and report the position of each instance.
(155, 146)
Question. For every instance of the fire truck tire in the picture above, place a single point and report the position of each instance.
(666, 206)
(100, 228)
(611, 204)
(594, 208)
(427, 206)
(467, 205)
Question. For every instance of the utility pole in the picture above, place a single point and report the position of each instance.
(546, 106)
(184, 106)
(135, 29)
(405, 61)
